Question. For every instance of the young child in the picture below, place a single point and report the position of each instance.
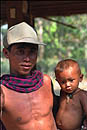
(72, 111)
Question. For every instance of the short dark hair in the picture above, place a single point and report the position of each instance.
(64, 64)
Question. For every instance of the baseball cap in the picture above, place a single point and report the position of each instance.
(21, 33)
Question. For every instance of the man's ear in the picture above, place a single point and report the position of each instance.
(81, 77)
(6, 52)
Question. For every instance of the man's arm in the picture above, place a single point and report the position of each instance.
(1, 107)
(1, 101)
(55, 102)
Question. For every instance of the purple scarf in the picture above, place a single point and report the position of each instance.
(24, 85)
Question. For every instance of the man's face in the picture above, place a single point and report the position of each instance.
(69, 79)
(22, 58)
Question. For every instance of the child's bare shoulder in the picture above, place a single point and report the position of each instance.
(83, 99)
(83, 92)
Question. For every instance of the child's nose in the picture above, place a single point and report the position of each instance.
(68, 83)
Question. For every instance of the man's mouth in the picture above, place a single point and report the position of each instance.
(26, 66)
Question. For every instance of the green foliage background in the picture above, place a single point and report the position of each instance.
(62, 42)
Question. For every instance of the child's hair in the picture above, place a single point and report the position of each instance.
(64, 64)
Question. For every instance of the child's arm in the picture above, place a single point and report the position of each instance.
(84, 106)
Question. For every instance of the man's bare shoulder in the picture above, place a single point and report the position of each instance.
(47, 80)
(46, 77)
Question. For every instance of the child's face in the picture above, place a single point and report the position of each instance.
(69, 79)
(22, 58)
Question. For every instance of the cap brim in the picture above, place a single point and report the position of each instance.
(28, 40)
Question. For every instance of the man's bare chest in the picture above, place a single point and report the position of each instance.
(27, 105)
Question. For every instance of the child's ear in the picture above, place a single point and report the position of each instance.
(6, 52)
(81, 77)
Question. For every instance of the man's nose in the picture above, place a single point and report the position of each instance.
(26, 57)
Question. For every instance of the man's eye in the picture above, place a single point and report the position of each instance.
(33, 50)
(21, 52)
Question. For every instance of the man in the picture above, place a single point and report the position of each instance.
(26, 95)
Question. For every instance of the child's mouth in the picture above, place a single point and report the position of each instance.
(68, 88)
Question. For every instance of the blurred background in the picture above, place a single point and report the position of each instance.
(65, 37)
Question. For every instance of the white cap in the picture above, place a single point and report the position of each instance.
(21, 33)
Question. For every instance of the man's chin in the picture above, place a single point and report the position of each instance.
(25, 73)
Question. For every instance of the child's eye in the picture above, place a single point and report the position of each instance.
(71, 80)
(62, 82)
